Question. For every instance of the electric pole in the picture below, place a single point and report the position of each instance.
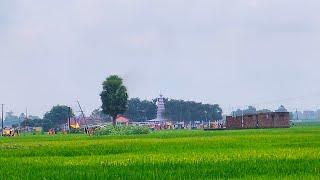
(84, 117)
(242, 114)
(206, 113)
(69, 119)
(2, 119)
(25, 121)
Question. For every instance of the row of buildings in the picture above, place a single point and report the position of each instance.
(12, 120)
(259, 120)
(306, 115)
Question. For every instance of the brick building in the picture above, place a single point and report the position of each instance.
(259, 120)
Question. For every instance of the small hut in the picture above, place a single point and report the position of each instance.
(121, 120)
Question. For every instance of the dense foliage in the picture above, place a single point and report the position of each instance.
(46, 124)
(176, 110)
(56, 117)
(98, 114)
(249, 111)
(59, 115)
(122, 130)
(247, 154)
(114, 97)
(252, 110)
(139, 110)
(12, 120)
(179, 110)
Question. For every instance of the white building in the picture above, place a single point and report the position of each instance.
(160, 110)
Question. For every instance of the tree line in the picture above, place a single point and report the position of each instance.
(180, 110)
(253, 110)
(54, 118)
(176, 110)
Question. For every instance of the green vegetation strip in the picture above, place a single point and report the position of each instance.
(244, 154)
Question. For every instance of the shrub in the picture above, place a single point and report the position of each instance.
(121, 130)
(75, 131)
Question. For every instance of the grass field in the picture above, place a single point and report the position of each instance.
(244, 154)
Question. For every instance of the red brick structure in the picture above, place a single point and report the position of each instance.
(249, 121)
(234, 122)
(282, 120)
(266, 120)
(260, 120)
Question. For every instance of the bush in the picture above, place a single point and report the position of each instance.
(121, 130)
(75, 131)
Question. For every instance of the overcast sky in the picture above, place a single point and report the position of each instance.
(230, 52)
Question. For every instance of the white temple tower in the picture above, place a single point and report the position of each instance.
(160, 108)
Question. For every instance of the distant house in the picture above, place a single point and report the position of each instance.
(121, 120)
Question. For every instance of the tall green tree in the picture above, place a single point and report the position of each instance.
(58, 115)
(114, 97)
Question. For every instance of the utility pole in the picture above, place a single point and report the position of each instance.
(242, 114)
(206, 113)
(25, 120)
(2, 119)
(84, 117)
(69, 119)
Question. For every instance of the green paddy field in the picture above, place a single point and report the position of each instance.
(240, 154)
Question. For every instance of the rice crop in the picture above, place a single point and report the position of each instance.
(240, 154)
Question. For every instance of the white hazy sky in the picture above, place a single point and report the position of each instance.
(230, 52)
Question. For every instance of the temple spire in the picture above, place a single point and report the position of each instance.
(160, 107)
